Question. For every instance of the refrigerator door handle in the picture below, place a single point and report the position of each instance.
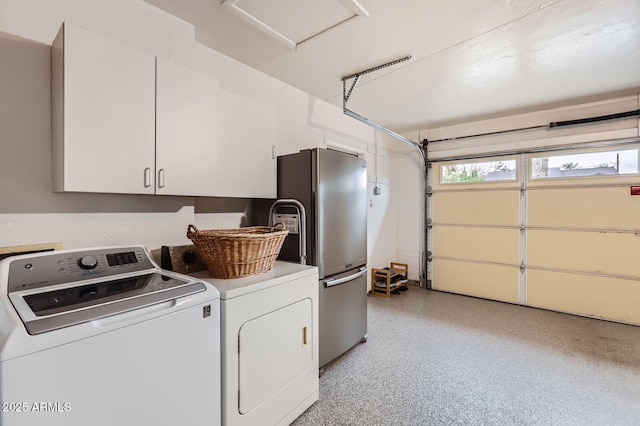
(332, 282)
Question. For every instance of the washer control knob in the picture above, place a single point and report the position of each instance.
(88, 262)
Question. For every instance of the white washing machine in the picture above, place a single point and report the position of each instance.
(105, 337)
(269, 326)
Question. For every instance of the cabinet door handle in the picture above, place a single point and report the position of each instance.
(161, 178)
(147, 177)
(304, 336)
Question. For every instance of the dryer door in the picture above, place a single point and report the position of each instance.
(275, 349)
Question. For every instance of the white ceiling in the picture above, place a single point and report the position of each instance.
(471, 59)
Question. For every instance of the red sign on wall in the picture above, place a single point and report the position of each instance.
(635, 190)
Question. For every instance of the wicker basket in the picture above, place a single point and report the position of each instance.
(235, 253)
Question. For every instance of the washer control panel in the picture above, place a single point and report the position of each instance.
(51, 268)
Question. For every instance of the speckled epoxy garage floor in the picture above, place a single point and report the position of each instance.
(441, 359)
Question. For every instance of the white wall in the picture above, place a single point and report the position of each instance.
(410, 228)
(381, 220)
(31, 213)
(407, 185)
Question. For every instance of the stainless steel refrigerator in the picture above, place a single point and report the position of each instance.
(332, 186)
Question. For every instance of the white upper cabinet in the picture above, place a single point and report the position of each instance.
(125, 121)
(248, 136)
(186, 131)
(103, 95)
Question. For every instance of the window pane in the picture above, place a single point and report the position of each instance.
(488, 171)
(602, 163)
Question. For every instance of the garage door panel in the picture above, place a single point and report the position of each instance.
(594, 252)
(476, 279)
(477, 208)
(603, 208)
(486, 244)
(582, 240)
(596, 296)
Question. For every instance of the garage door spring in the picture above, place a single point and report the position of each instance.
(552, 125)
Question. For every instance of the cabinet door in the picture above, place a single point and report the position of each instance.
(275, 349)
(186, 131)
(247, 139)
(103, 95)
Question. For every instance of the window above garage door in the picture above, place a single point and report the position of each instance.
(485, 171)
(578, 164)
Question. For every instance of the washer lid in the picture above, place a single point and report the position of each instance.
(50, 310)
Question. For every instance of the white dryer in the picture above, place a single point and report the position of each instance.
(270, 360)
(105, 337)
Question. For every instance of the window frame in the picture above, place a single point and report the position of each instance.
(578, 151)
(504, 159)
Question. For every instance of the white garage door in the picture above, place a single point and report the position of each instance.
(557, 230)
